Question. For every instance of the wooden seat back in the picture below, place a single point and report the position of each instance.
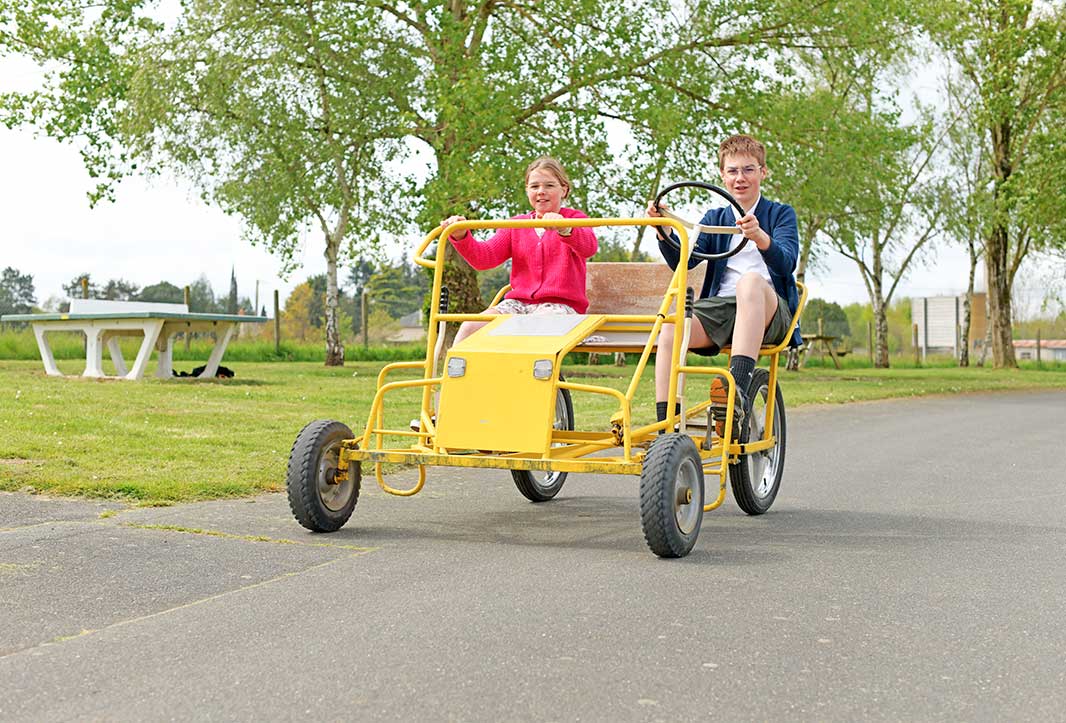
(632, 287)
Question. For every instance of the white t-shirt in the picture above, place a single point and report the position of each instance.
(747, 259)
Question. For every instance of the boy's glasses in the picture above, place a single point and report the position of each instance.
(746, 171)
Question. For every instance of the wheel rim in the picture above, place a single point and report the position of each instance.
(562, 419)
(687, 497)
(334, 496)
(762, 465)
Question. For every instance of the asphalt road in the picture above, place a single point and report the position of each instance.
(913, 567)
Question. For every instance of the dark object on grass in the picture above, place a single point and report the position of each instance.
(222, 373)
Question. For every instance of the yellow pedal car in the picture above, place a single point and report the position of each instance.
(504, 403)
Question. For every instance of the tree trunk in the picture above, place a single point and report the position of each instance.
(334, 346)
(967, 312)
(988, 335)
(999, 305)
(880, 330)
(464, 296)
(997, 252)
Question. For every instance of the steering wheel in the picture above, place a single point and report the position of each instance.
(667, 235)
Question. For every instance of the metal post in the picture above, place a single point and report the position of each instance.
(85, 295)
(917, 349)
(925, 326)
(1038, 347)
(186, 334)
(277, 325)
(366, 322)
(821, 337)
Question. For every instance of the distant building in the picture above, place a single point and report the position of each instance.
(939, 320)
(1050, 349)
(411, 329)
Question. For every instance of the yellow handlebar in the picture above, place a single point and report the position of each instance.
(537, 223)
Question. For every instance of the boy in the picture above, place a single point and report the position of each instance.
(748, 299)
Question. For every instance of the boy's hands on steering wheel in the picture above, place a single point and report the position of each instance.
(749, 228)
(653, 211)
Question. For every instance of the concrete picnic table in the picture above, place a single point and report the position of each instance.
(103, 322)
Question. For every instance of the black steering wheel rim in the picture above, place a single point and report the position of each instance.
(667, 235)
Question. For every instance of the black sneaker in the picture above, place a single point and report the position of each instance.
(719, 402)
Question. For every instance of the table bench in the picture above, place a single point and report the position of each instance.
(103, 322)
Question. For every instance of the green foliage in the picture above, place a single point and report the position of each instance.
(202, 297)
(164, 291)
(120, 290)
(614, 250)
(490, 282)
(231, 300)
(81, 287)
(1009, 94)
(16, 292)
(398, 289)
(834, 320)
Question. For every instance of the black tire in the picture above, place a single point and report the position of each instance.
(543, 486)
(318, 501)
(671, 495)
(756, 477)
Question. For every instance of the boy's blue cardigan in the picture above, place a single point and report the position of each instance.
(776, 219)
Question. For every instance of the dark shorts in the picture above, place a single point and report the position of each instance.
(718, 315)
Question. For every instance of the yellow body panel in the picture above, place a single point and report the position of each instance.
(497, 403)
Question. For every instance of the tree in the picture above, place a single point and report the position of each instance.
(119, 290)
(202, 297)
(296, 318)
(1012, 55)
(296, 116)
(965, 202)
(398, 290)
(316, 302)
(231, 300)
(16, 292)
(164, 292)
(81, 287)
(834, 319)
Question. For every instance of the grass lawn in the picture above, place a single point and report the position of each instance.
(157, 442)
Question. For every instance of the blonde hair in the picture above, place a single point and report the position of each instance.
(553, 167)
(741, 145)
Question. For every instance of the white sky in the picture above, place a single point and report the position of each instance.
(159, 230)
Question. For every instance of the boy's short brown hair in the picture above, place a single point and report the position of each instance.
(741, 145)
(553, 167)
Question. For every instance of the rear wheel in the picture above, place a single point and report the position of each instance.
(321, 498)
(756, 477)
(543, 486)
(671, 495)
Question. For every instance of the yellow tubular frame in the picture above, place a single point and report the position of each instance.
(572, 454)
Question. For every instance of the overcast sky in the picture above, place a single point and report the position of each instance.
(159, 230)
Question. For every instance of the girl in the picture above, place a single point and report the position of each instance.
(547, 265)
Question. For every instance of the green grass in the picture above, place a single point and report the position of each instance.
(164, 441)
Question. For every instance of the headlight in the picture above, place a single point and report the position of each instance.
(542, 369)
(456, 366)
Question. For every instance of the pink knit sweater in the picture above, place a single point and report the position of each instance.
(544, 269)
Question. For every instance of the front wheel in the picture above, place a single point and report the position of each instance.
(671, 495)
(756, 477)
(321, 498)
(543, 486)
